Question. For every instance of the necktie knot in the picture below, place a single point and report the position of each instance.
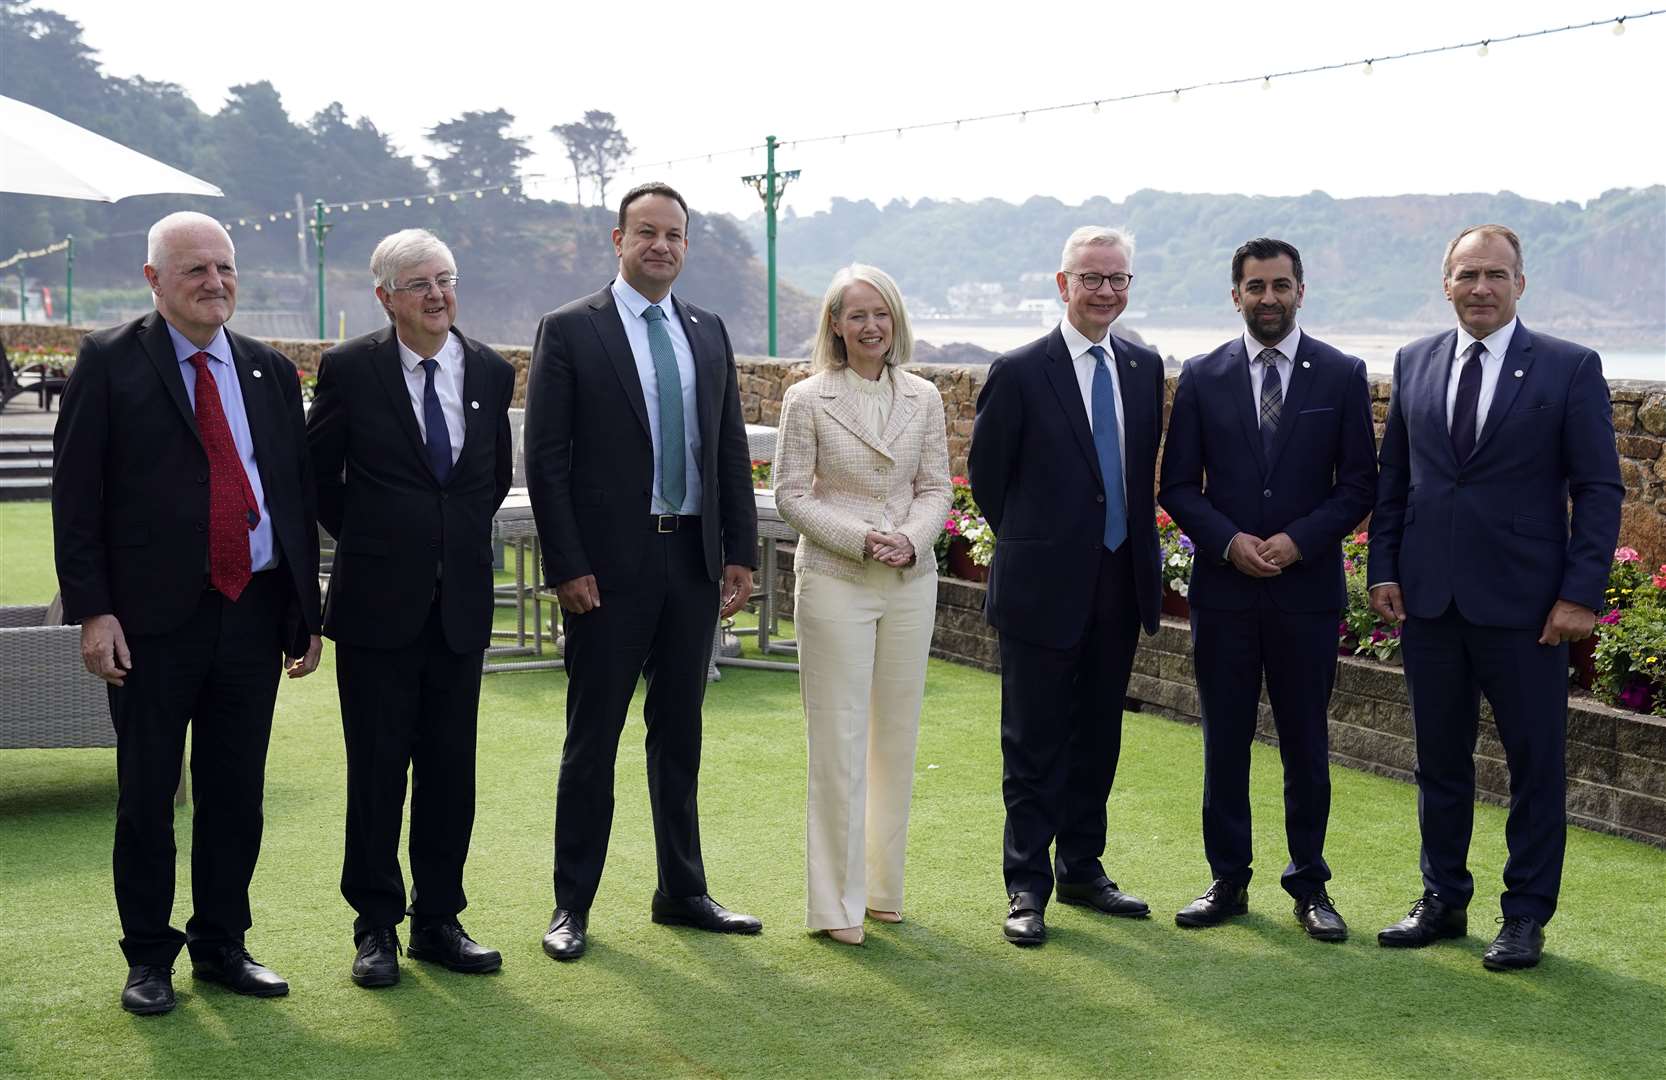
(1476, 352)
(1269, 357)
(430, 365)
(1097, 352)
(654, 313)
(199, 360)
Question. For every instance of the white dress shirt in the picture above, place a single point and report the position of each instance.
(448, 387)
(1258, 370)
(262, 550)
(631, 305)
(1492, 362)
(1077, 344)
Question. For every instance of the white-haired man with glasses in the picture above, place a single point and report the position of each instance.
(409, 435)
(1063, 458)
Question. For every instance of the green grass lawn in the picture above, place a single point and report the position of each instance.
(940, 995)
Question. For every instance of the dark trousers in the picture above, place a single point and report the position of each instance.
(217, 674)
(411, 708)
(1061, 734)
(1297, 652)
(1450, 662)
(658, 624)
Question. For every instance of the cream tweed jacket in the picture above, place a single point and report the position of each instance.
(835, 480)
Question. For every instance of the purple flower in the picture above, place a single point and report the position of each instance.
(1636, 696)
(1185, 542)
(1611, 618)
(1376, 636)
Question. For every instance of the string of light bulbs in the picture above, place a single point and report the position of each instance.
(380, 202)
(1369, 64)
(38, 253)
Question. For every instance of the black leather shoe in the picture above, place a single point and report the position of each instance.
(377, 963)
(702, 913)
(1102, 894)
(565, 939)
(1430, 920)
(149, 990)
(1219, 903)
(235, 969)
(446, 942)
(1518, 945)
(1025, 925)
(1318, 915)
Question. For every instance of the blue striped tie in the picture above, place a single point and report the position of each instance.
(1110, 454)
(673, 447)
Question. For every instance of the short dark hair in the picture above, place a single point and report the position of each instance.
(1263, 247)
(652, 187)
(1504, 232)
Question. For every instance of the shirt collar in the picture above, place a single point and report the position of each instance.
(1292, 341)
(1076, 342)
(1497, 342)
(219, 348)
(412, 360)
(635, 302)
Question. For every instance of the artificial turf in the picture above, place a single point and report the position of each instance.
(940, 995)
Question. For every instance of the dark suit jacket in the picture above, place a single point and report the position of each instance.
(1035, 475)
(590, 458)
(394, 523)
(1316, 485)
(1492, 533)
(130, 484)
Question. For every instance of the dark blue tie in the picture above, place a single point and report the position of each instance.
(433, 421)
(1467, 404)
(1110, 454)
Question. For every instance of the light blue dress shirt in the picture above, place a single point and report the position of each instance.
(262, 553)
(631, 305)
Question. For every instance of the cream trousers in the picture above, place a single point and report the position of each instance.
(862, 649)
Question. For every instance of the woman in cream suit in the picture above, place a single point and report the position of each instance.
(862, 473)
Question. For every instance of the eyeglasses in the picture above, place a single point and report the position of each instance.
(445, 282)
(1091, 282)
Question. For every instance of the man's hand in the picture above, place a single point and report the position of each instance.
(301, 666)
(737, 589)
(1279, 550)
(1568, 621)
(579, 595)
(1388, 603)
(104, 649)
(1245, 553)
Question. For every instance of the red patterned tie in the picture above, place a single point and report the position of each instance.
(232, 511)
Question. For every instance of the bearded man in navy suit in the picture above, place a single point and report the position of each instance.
(1268, 464)
(1492, 430)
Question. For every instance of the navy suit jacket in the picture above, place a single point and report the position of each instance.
(1492, 534)
(1316, 485)
(590, 457)
(1035, 475)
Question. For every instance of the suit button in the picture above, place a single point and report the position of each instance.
(1099, 498)
(202, 478)
(1267, 494)
(202, 526)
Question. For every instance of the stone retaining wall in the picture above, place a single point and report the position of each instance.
(1616, 760)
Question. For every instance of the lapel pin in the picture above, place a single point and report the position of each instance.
(257, 373)
(1518, 373)
(1133, 363)
(474, 404)
(692, 319)
(1307, 363)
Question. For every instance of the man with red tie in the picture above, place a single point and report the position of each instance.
(187, 550)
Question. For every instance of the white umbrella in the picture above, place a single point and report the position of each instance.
(42, 154)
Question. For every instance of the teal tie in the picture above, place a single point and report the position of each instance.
(673, 447)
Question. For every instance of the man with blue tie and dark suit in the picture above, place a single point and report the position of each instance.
(1063, 457)
(1492, 430)
(1267, 465)
(641, 484)
(410, 441)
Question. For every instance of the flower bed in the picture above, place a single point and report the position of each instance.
(1629, 659)
(966, 546)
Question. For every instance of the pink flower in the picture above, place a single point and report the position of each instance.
(1636, 696)
(1626, 554)
(1611, 618)
(1362, 537)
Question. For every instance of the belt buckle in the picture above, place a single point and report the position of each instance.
(665, 523)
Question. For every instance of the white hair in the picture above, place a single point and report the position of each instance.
(1097, 236)
(156, 242)
(405, 249)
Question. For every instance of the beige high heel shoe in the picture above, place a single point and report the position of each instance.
(885, 916)
(849, 935)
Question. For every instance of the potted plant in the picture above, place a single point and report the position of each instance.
(1625, 577)
(1361, 631)
(1176, 552)
(966, 546)
(1630, 654)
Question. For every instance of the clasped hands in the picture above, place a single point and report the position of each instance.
(1262, 558)
(892, 549)
(1567, 620)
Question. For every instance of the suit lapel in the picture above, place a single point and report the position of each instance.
(1517, 358)
(604, 317)
(1134, 419)
(1061, 373)
(708, 373)
(256, 382)
(904, 403)
(1244, 402)
(390, 372)
(159, 347)
(1439, 374)
(1295, 396)
(474, 387)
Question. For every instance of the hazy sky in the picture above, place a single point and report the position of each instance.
(1561, 117)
